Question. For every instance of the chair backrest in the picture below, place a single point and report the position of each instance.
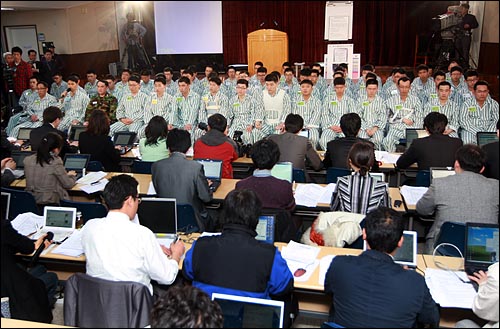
(454, 233)
(21, 202)
(331, 325)
(299, 176)
(423, 178)
(186, 218)
(95, 166)
(142, 167)
(333, 173)
(89, 210)
(94, 302)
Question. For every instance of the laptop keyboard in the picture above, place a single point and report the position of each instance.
(215, 185)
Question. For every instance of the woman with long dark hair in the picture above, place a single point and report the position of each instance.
(46, 177)
(154, 146)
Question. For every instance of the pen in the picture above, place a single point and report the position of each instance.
(95, 183)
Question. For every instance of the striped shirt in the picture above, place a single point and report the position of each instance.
(421, 90)
(211, 104)
(163, 106)
(40, 104)
(241, 113)
(309, 110)
(57, 90)
(27, 97)
(450, 109)
(359, 194)
(91, 89)
(186, 109)
(411, 109)
(373, 113)
(132, 107)
(274, 107)
(147, 88)
(74, 107)
(172, 88)
(333, 109)
(475, 118)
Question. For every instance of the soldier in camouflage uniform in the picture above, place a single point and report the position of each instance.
(103, 101)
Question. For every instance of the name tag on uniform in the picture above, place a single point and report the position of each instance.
(129, 98)
(362, 87)
(236, 104)
(334, 103)
(394, 92)
(434, 95)
(179, 99)
(37, 101)
(205, 98)
(94, 103)
(154, 101)
(472, 109)
(435, 108)
(399, 107)
(300, 103)
(366, 103)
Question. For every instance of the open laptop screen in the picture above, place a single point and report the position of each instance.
(24, 133)
(407, 254)
(124, 138)
(60, 217)
(265, 228)
(283, 170)
(18, 157)
(412, 134)
(76, 161)
(481, 244)
(75, 131)
(484, 138)
(439, 172)
(212, 168)
(159, 215)
(248, 312)
(5, 205)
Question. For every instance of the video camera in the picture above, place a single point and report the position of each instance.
(447, 23)
(243, 149)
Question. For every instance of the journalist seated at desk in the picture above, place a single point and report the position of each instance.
(464, 197)
(153, 147)
(371, 290)
(235, 262)
(435, 150)
(119, 249)
(46, 177)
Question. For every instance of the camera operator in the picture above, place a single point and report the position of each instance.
(464, 34)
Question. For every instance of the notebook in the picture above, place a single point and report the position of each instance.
(265, 228)
(486, 137)
(439, 172)
(74, 132)
(24, 134)
(412, 133)
(160, 216)
(76, 162)
(481, 246)
(407, 254)
(5, 205)
(125, 139)
(283, 170)
(249, 312)
(59, 220)
(213, 171)
(18, 157)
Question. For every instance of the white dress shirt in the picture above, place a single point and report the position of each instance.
(120, 250)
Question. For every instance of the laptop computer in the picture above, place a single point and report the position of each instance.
(481, 246)
(412, 134)
(160, 216)
(125, 139)
(59, 220)
(5, 205)
(76, 162)
(18, 157)
(24, 134)
(213, 171)
(283, 170)
(304, 133)
(379, 176)
(486, 137)
(249, 312)
(265, 228)
(74, 132)
(407, 254)
(439, 172)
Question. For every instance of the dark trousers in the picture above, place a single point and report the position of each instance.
(49, 279)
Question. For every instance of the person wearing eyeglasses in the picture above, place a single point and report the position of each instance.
(117, 248)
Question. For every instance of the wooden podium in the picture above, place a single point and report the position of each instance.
(269, 47)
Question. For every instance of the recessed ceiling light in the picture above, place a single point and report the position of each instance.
(7, 8)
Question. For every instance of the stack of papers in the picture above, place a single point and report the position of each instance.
(28, 223)
(301, 260)
(448, 289)
(309, 195)
(72, 246)
(95, 187)
(386, 157)
(91, 177)
(412, 194)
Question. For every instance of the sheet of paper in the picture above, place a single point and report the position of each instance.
(96, 187)
(306, 269)
(386, 157)
(412, 194)
(324, 265)
(326, 197)
(300, 252)
(72, 246)
(91, 177)
(151, 189)
(190, 152)
(308, 194)
(209, 234)
(165, 241)
(27, 223)
(448, 290)
(136, 152)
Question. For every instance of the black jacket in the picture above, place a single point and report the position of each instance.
(100, 148)
(492, 163)
(37, 134)
(337, 152)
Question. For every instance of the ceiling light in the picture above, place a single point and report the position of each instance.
(3, 8)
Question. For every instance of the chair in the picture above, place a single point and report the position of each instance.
(299, 175)
(98, 303)
(423, 178)
(421, 50)
(95, 166)
(142, 167)
(89, 210)
(20, 202)
(186, 218)
(454, 233)
(333, 173)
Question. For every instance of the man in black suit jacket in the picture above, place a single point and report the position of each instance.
(371, 290)
(492, 164)
(51, 118)
(435, 150)
(337, 150)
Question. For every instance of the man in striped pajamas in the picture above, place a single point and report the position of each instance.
(443, 104)
(187, 106)
(373, 115)
(309, 108)
(130, 111)
(241, 114)
(73, 104)
(27, 98)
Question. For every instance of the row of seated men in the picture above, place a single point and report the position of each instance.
(243, 257)
(259, 109)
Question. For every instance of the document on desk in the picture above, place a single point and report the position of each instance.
(324, 265)
(412, 194)
(136, 153)
(72, 246)
(309, 195)
(91, 177)
(27, 223)
(448, 290)
(96, 187)
(386, 157)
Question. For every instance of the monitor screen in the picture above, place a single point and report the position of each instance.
(441, 172)
(75, 162)
(24, 133)
(482, 243)
(75, 132)
(283, 170)
(62, 217)
(158, 214)
(379, 176)
(412, 134)
(407, 254)
(484, 138)
(124, 138)
(265, 228)
(212, 168)
(18, 157)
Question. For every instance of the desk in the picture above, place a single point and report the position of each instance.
(13, 323)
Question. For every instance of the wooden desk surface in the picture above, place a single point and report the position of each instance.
(13, 323)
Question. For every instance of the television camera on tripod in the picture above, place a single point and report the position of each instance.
(448, 26)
